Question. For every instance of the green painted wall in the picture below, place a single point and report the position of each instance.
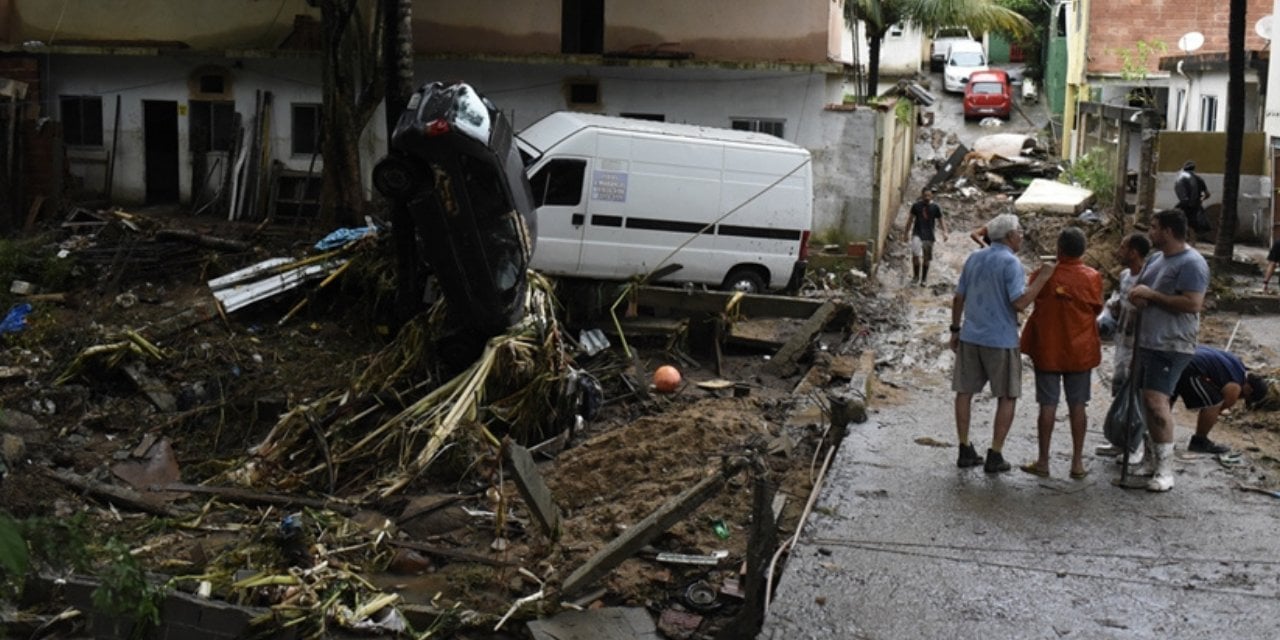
(1055, 75)
(998, 49)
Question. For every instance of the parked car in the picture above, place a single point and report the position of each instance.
(454, 162)
(962, 60)
(988, 94)
(941, 43)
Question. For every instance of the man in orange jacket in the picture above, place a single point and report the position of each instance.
(1061, 337)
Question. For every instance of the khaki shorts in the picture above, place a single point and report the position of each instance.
(976, 366)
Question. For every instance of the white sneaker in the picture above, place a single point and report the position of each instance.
(1160, 483)
(1108, 450)
(1163, 478)
(1135, 458)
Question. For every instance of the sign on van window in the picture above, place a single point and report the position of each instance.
(610, 186)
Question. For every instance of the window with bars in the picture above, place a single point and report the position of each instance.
(1208, 113)
(212, 125)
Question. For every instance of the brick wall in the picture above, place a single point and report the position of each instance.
(1117, 25)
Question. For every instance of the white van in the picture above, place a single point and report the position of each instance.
(619, 198)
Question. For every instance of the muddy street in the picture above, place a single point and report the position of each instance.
(904, 544)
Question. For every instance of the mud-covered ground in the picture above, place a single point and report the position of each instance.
(231, 377)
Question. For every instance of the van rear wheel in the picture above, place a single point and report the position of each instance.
(744, 279)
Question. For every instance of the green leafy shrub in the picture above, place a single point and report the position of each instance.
(1093, 171)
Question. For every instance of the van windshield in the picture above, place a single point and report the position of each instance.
(952, 32)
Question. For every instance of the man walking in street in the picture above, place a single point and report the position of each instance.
(1212, 383)
(1192, 192)
(919, 232)
(1169, 295)
(984, 335)
(1117, 318)
(1061, 336)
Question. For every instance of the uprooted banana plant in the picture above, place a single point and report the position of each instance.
(517, 386)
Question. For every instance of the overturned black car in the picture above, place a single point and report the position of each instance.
(454, 163)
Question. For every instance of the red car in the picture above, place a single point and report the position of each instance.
(988, 94)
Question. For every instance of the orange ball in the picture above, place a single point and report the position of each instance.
(666, 379)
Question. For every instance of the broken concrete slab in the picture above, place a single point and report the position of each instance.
(1048, 196)
(613, 623)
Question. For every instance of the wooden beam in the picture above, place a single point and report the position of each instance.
(751, 305)
(534, 490)
(784, 360)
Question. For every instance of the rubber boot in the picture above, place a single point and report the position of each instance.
(915, 270)
(1163, 479)
(1146, 466)
(924, 273)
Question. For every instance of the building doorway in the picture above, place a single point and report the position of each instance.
(160, 135)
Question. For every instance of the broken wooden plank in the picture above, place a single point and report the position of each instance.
(119, 496)
(645, 531)
(452, 554)
(153, 388)
(752, 304)
(760, 547)
(244, 496)
(534, 490)
(204, 240)
(783, 361)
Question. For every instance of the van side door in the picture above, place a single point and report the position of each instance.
(558, 187)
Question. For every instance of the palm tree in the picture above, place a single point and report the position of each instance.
(1224, 246)
(879, 15)
(398, 70)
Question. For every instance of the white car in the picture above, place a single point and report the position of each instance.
(962, 60)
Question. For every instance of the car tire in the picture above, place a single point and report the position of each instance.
(744, 279)
(395, 178)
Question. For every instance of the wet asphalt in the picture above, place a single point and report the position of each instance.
(903, 544)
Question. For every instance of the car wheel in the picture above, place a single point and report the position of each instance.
(395, 178)
(744, 279)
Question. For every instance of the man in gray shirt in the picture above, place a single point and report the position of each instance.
(1169, 295)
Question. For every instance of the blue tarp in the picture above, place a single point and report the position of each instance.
(344, 236)
(16, 319)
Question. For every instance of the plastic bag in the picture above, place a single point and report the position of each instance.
(1126, 418)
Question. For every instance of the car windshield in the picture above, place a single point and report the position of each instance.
(987, 88)
(952, 33)
(967, 59)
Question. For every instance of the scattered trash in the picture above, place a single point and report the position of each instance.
(126, 300)
(722, 530)
(16, 319)
(345, 236)
(711, 560)
(1090, 216)
(701, 596)
(991, 122)
(929, 441)
(593, 341)
(21, 287)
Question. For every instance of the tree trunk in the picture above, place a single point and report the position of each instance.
(398, 56)
(874, 40)
(351, 93)
(1224, 247)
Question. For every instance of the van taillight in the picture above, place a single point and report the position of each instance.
(437, 127)
(804, 245)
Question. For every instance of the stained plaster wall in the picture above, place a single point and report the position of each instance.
(1253, 208)
(526, 92)
(136, 79)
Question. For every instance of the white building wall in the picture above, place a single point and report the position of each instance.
(526, 92)
(902, 51)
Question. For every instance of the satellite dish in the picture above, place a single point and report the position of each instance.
(1263, 27)
(1191, 41)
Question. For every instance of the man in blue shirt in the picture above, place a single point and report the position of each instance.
(1212, 383)
(984, 334)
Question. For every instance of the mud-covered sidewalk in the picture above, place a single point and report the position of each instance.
(903, 544)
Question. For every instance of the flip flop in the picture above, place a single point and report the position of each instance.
(1079, 475)
(1032, 469)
